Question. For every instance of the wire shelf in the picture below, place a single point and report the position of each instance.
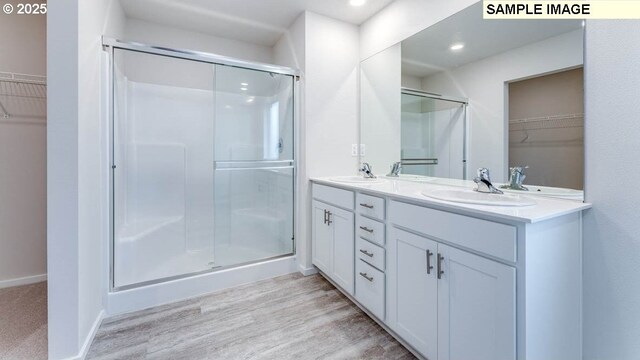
(547, 122)
(23, 98)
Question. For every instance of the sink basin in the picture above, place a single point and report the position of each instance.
(560, 193)
(357, 180)
(473, 197)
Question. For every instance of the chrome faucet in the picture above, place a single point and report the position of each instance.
(396, 167)
(366, 171)
(484, 182)
(516, 178)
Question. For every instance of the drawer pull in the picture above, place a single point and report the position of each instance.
(429, 266)
(440, 271)
(364, 275)
(366, 253)
(366, 229)
(366, 205)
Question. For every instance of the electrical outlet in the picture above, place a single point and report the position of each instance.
(354, 149)
(362, 150)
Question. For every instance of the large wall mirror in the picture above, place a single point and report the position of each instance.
(468, 93)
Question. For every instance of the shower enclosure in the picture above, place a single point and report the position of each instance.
(203, 163)
(433, 134)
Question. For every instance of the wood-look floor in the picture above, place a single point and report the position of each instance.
(289, 317)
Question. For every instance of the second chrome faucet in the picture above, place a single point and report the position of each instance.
(483, 180)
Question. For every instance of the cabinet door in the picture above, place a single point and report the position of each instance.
(413, 286)
(342, 225)
(322, 239)
(476, 307)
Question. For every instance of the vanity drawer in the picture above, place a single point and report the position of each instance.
(370, 206)
(488, 237)
(370, 288)
(370, 253)
(371, 230)
(334, 196)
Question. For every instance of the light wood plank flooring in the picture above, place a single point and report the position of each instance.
(289, 317)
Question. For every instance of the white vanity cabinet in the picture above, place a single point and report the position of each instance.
(448, 303)
(413, 291)
(476, 307)
(333, 235)
(455, 282)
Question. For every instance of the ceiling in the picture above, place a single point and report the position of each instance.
(260, 22)
(428, 51)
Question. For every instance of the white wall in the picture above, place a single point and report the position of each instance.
(403, 18)
(23, 242)
(411, 82)
(23, 40)
(62, 179)
(154, 34)
(76, 171)
(331, 98)
(94, 20)
(290, 51)
(483, 83)
(326, 52)
(611, 236)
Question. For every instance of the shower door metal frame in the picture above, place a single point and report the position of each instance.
(459, 100)
(109, 45)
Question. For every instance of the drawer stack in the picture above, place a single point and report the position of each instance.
(370, 253)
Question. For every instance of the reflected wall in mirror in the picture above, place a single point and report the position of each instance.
(524, 86)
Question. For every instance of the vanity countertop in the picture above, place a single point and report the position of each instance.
(544, 209)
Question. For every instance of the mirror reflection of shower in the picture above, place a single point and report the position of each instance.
(433, 135)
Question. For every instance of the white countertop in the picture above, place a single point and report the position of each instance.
(545, 208)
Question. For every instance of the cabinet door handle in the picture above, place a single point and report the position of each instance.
(364, 275)
(329, 217)
(440, 271)
(429, 266)
(366, 205)
(366, 229)
(366, 253)
(325, 216)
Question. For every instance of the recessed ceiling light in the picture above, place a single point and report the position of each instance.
(250, 100)
(357, 2)
(457, 46)
(243, 88)
(244, 84)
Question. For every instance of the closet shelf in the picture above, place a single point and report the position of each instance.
(22, 96)
(547, 122)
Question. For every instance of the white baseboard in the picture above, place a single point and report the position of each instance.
(306, 271)
(23, 281)
(92, 334)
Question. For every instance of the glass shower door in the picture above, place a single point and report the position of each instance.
(163, 135)
(254, 166)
